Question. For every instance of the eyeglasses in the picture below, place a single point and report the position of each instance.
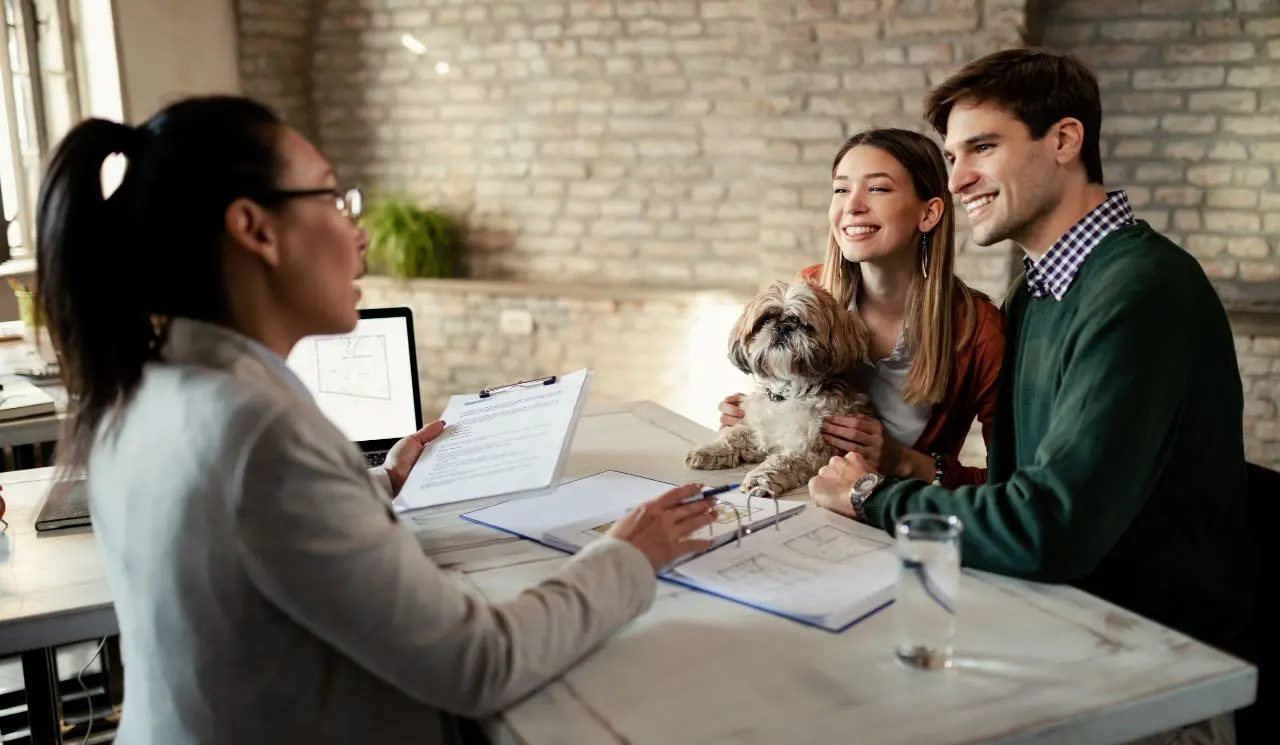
(350, 202)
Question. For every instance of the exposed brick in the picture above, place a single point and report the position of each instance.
(1123, 124)
(1257, 76)
(1251, 125)
(1189, 124)
(1151, 30)
(1258, 6)
(1186, 150)
(1228, 151)
(1200, 7)
(1250, 247)
(1225, 221)
(1180, 77)
(1186, 220)
(1252, 176)
(1219, 28)
(848, 31)
(1156, 173)
(1130, 148)
(1206, 246)
(1134, 102)
(1209, 175)
(900, 26)
(1096, 9)
(1229, 101)
(1234, 51)
(1260, 271)
(1179, 196)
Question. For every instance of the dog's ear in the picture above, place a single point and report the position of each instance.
(740, 336)
(850, 340)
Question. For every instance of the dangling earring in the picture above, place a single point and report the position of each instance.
(924, 254)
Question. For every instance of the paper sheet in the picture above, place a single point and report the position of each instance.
(510, 444)
(814, 567)
(592, 495)
(582, 531)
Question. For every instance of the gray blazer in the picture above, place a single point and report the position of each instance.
(267, 592)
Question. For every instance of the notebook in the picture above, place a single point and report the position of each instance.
(20, 399)
(805, 564)
(65, 506)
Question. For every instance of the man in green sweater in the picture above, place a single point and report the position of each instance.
(1117, 457)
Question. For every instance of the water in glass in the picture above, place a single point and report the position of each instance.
(928, 585)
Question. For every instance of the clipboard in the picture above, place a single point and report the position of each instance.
(509, 441)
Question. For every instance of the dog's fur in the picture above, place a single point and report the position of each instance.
(801, 348)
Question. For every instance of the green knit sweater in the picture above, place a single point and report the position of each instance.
(1116, 458)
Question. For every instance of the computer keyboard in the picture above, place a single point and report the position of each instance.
(375, 458)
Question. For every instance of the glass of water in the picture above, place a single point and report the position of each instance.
(928, 548)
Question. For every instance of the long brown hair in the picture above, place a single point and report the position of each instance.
(931, 333)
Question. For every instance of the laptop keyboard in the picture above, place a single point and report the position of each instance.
(376, 458)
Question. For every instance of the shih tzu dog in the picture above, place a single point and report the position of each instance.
(801, 348)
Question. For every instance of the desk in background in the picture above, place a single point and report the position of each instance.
(1035, 663)
(28, 441)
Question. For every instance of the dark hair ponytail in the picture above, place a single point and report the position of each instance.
(110, 270)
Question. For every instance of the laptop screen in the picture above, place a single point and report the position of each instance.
(363, 380)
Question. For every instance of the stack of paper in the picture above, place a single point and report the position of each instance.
(813, 566)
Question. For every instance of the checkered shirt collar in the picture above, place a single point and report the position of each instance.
(1055, 271)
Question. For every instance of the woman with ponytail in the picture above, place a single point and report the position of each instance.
(936, 344)
(265, 589)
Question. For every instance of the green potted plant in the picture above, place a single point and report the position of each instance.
(406, 240)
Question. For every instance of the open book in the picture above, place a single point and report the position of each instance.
(807, 565)
(500, 442)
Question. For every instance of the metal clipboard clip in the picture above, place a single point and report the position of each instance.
(549, 380)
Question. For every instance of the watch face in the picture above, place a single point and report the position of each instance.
(865, 484)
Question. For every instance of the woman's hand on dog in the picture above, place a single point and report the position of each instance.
(731, 410)
(863, 435)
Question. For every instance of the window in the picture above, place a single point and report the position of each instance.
(59, 66)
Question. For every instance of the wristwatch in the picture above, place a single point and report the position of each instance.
(862, 490)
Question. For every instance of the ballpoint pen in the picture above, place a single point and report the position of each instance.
(709, 493)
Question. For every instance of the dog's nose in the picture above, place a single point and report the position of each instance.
(783, 330)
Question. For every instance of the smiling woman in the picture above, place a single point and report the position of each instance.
(935, 345)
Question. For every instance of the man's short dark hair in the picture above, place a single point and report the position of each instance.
(1038, 86)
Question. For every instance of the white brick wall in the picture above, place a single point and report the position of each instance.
(681, 142)
(686, 144)
(275, 39)
(1191, 128)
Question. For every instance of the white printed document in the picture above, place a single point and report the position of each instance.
(512, 443)
(813, 568)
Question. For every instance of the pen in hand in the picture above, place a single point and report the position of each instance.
(709, 493)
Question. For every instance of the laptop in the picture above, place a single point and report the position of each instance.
(366, 381)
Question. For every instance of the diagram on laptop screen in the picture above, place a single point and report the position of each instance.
(354, 366)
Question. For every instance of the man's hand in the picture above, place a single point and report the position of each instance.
(830, 487)
(404, 454)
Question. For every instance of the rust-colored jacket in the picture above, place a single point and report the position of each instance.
(971, 393)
